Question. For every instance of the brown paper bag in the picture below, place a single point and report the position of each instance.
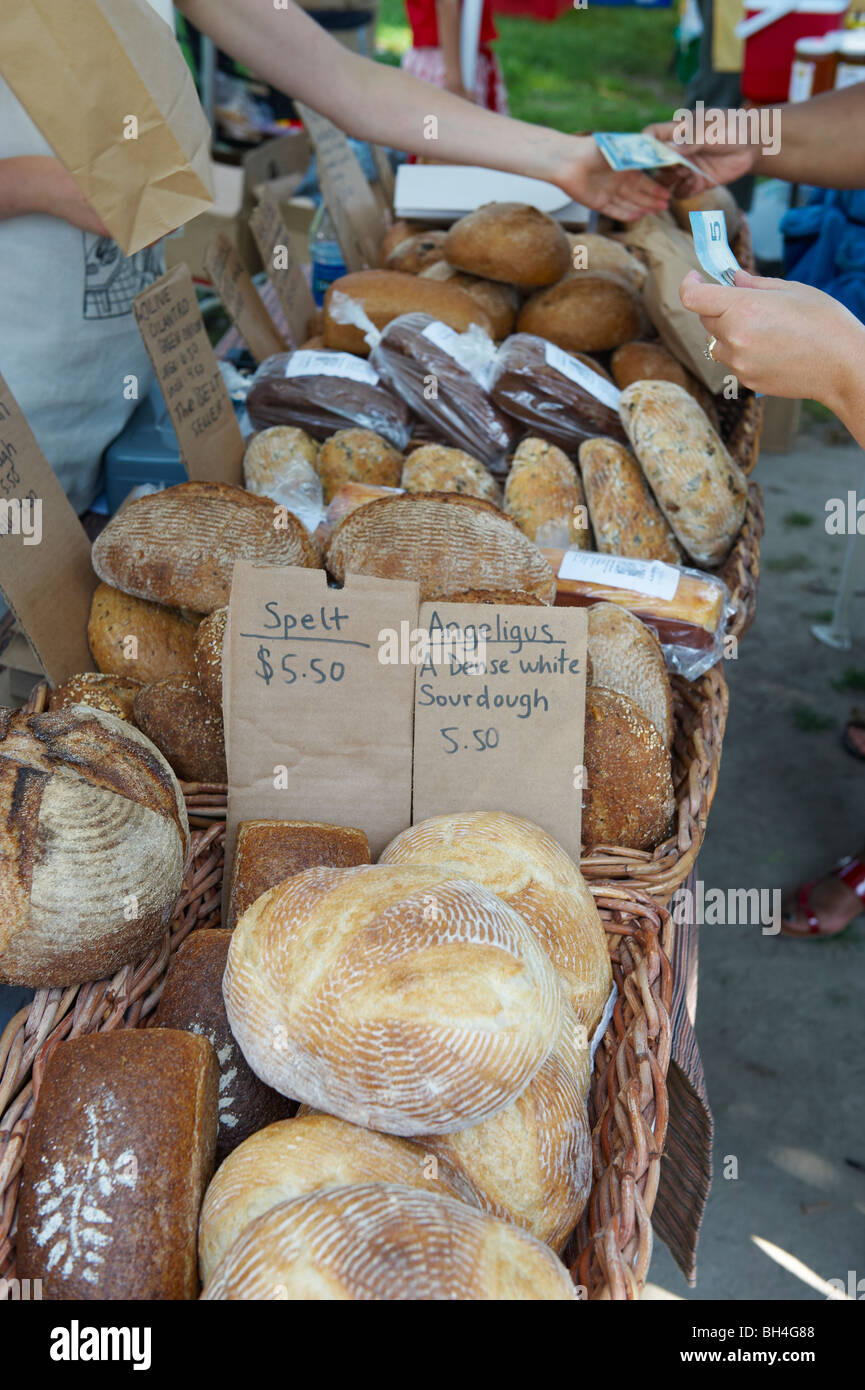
(671, 255)
(107, 85)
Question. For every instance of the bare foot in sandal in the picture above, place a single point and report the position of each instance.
(826, 906)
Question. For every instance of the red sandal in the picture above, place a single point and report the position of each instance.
(851, 871)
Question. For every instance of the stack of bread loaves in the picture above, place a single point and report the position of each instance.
(433, 1013)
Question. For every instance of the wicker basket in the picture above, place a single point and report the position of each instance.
(609, 1253)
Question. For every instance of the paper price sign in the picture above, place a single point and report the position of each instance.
(499, 714)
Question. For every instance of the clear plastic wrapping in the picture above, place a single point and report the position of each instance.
(445, 377)
(555, 394)
(322, 392)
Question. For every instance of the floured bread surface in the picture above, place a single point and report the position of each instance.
(178, 547)
(313, 1153)
(626, 656)
(386, 1242)
(93, 839)
(448, 543)
(528, 869)
(532, 1164)
(403, 999)
(699, 488)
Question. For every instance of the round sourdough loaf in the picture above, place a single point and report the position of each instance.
(93, 839)
(626, 657)
(383, 1242)
(509, 241)
(529, 870)
(178, 547)
(164, 639)
(404, 999)
(591, 252)
(584, 313)
(313, 1153)
(532, 1164)
(186, 728)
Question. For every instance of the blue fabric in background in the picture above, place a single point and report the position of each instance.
(824, 245)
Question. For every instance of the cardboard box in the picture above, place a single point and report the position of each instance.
(189, 244)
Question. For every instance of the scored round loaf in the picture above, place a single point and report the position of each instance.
(119, 1152)
(312, 1153)
(625, 517)
(509, 241)
(178, 546)
(699, 488)
(628, 798)
(358, 456)
(438, 468)
(93, 840)
(526, 868)
(209, 641)
(384, 1242)
(584, 313)
(114, 694)
(627, 657)
(545, 497)
(532, 1164)
(186, 728)
(448, 543)
(402, 999)
(163, 638)
(384, 295)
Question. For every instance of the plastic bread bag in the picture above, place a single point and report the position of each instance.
(279, 463)
(553, 393)
(325, 391)
(688, 609)
(445, 377)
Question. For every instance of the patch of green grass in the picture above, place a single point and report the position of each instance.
(810, 721)
(592, 69)
(825, 615)
(853, 680)
(815, 410)
(798, 519)
(786, 564)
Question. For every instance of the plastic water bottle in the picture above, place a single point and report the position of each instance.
(324, 254)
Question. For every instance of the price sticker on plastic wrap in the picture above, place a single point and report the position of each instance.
(590, 381)
(650, 577)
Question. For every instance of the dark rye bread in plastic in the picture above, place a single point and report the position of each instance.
(93, 839)
(448, 543)
(322, 404)
(461, 410)
(178, 547)
(192, 1001)
(549, 403)
(119, 1153)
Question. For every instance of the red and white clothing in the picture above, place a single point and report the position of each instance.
(426, 60)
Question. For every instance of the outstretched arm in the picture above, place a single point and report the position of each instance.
(373, 101)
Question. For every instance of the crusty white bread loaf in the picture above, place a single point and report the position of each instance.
(626, 656)
(448, 543)
(114, 694)
(383, 1242)
(532, 1164)
(179, 546)
(163, 638)
(529, 870)
(192, 1000)
(119, 1153)
(699, 488)
(513, 242)
(266, 852)
(628, 798)
(313, 1153)
(626, 519)
(93, 839)
(402, 999)
(383, 295)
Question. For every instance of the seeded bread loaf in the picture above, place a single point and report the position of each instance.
(625, 517)
(509, 241)
(119, 1152)
(437, 468)
(114, 694)
(358, 456)
(209, 641)
(626, 657)
(186, 728)
(178, 547)
(93, 840)
(545, 497)
(699, 488)
(628, 798)
(191, 1000)
(267, 852)
(131, 637)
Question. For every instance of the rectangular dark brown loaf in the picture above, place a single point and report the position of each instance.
(269, 851)
(118, 1156)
